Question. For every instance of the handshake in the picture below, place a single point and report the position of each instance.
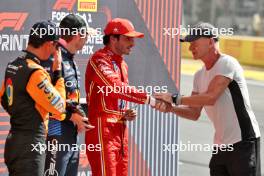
(164, 102)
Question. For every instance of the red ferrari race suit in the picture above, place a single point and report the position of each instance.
(107, 144)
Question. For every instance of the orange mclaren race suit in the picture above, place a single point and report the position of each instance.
(109, 153)
(2, 90)
(28, 97)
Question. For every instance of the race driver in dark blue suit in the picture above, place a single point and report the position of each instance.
(64, 161)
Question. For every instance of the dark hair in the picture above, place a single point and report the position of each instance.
(106, 38)
(37, 38)
(35, 42)
(71, 22)
(67, 37)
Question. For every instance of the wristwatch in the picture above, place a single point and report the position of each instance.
(174, 98)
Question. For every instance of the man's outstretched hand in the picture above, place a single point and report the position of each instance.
(163, 106)
(166, 97)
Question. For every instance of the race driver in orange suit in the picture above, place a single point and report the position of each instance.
(28, 95)
(107, 110)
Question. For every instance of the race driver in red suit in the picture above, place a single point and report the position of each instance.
(106, 71)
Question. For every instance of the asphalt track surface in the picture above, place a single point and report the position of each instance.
(195, 163)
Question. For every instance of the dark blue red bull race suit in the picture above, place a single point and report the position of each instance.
(64, 161)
